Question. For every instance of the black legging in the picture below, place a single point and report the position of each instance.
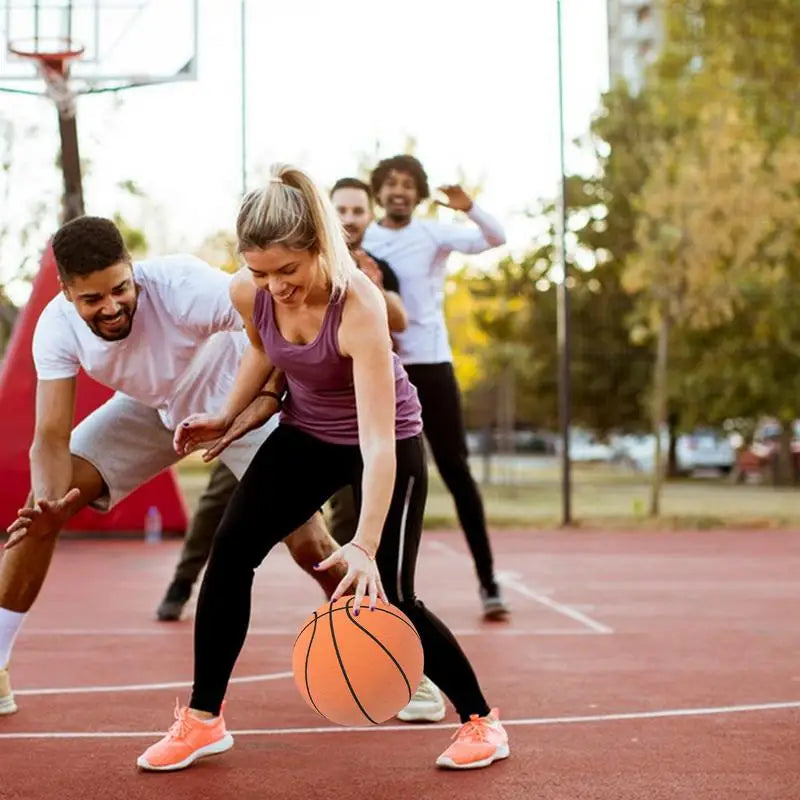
(290, 477)
(443, 423)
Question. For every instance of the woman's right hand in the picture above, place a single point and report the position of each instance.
(197, 430)
(361, 570)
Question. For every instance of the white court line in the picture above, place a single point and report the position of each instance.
(631, 715)
(144, 687)
(293, 632)
(511, 580)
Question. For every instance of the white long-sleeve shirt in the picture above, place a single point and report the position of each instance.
(418, 255)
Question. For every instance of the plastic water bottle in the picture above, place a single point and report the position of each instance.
(152, 525)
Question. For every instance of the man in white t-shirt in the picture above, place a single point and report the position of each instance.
(418, 250)
(163, 334)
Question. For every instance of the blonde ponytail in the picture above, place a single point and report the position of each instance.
(291, 211)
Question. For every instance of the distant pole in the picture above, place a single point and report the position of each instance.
(564, 333)
(243, 88)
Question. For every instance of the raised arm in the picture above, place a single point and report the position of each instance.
(465, 239)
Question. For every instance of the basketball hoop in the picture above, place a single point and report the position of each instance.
(52, 56)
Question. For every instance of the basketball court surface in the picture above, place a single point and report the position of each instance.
(635, 665)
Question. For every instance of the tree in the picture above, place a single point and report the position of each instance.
(221, 250)
(716, 214)
(514, 308)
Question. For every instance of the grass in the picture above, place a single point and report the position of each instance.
(526, 493)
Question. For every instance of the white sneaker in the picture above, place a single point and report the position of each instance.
(494, 606)
(7, 704)
(427, 704)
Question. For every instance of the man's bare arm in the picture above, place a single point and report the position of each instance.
(51, 464)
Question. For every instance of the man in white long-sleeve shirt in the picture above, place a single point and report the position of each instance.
(418, 250)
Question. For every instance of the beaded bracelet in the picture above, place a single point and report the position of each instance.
(363, 550)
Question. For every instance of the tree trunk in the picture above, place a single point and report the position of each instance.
(783, 467)
(508, 414)
(659, 411)
(672, 453)
(486, 438)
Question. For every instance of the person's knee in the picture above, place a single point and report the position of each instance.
(228, 559)
(311, 543)
(455, 470)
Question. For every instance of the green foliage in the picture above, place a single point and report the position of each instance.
(135, 239)
(693, 210)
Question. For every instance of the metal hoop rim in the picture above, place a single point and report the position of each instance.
(68, 49)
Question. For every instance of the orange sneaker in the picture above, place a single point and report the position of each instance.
(478, 743)
(187, 740)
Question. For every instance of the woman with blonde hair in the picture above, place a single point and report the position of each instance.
(350, 416)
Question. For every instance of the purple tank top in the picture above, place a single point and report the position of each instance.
(322, 398)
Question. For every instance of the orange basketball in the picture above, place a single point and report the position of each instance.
(357, 670)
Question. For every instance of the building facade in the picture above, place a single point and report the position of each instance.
(635, 34)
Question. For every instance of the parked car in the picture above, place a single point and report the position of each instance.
(521, 441)
(704, 448)
(759, 460)
(585, 446)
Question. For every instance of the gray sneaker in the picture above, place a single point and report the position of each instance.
(494, 607)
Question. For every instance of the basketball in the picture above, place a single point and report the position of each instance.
(357, 670)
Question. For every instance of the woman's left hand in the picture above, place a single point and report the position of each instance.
(361, 570)
(196, 430)
(254, 416)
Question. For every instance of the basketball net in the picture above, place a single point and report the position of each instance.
(56, 86)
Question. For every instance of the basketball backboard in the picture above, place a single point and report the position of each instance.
(124, 43)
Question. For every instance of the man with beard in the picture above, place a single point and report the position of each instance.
(418, 250)
(352, 200)
(164, 335)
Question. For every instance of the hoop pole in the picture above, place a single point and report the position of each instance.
(36, 23)
(564, 332)
(72, 201)
(243, 89)
(69, 21)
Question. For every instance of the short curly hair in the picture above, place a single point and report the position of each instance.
(86, 245)
(403, 163)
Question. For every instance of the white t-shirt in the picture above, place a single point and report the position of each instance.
(183, 350)
(418, 255)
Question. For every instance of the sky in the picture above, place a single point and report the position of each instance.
(329, 84)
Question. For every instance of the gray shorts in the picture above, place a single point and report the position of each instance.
(128, 444)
